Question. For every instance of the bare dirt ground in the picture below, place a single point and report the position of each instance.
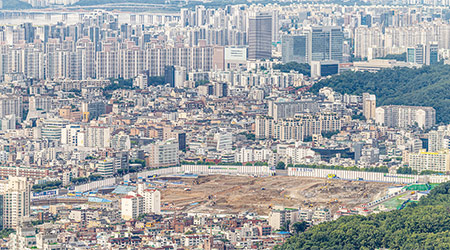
(236, 194)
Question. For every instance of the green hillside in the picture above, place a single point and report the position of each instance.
(422, 225)
(426, 86)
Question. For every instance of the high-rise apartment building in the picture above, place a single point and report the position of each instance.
(369, 106)
(144, 201)
(436, 141)
(288, 108)
(399, 116)
(163, 153)
(434, 161)
(11, 105)
(16, 201)
(98, 137)
(297, 128)
(260, 36)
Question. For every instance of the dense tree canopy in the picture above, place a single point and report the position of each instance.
(302, 68)
(426, 86)
(421, 225)
(398, 57)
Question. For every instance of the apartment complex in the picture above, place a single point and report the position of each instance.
(163, 153)
(15, 201)
(399, 116)
(144, 201)
(298, 127)
(434, 161)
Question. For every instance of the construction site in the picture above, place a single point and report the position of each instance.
(236, 194)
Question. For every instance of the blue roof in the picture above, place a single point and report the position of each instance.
(97, 199)
(122, 189)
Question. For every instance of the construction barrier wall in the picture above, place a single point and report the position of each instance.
(368, 176)
(354, 175)
(210, 169)
(94, 185)
(159, 171)
(229, 170)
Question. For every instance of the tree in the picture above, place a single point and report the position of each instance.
(285, 226)
(406, 170)
(301, 68)
(399, 57)
(425, 86)
(299, 227)
(417, 226)
(281, 165)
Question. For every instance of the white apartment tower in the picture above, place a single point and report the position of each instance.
(163, 153)
(369, 106)
(16, 201)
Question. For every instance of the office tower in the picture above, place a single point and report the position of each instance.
(369, 106)
(416, 54)
(325, 43)
(275, 25)
(366, 19)
(169, 75)
(29, 32)
(51, 129)
(224, 141)
(106, 167)
(16, 201)
(324, 68)
(260, 36)
(431, 54)
(423, 54)
(294, 48)
(182, 141)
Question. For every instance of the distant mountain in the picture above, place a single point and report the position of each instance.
(15, 5)
(99, 2)
(426, 86)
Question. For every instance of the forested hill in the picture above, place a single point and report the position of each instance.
(422, 225)
(426, 86)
